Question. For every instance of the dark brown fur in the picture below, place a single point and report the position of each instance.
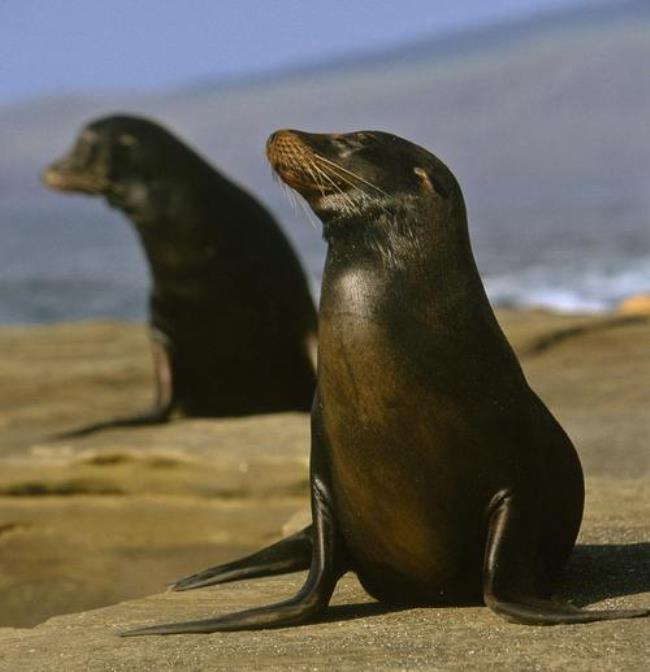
(437, 474)
(232, 320)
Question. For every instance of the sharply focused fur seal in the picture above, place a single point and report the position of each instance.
(232, 321)
(437, 474)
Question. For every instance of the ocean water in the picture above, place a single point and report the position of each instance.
(72, 263)
(73, 258)
(547, 133)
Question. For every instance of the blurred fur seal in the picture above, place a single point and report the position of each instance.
(233, 325)
(437, 474)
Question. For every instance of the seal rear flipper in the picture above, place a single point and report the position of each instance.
(510, 583)
(291, 554)
(532, 611)
(311, 600)
(327, 566)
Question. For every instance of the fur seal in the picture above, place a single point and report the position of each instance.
(232, 321)
(437, 475)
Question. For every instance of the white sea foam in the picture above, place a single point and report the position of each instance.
(591, 287)
(84, 262)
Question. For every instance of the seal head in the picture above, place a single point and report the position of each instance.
(343, 176)
(129, 160)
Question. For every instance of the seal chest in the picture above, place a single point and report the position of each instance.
(398, 479)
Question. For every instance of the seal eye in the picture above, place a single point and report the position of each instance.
(127, 140)
(89, 136)
(345, 145)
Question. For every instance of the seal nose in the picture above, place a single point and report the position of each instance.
(51, 176)
(272, 138)
(281, 137)
(281, 145)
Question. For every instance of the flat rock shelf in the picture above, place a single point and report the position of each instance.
(112, 518)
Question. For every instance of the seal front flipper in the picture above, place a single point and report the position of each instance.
(153, 417)
(163, 406)
(291, 554)
(511, 579)
(328, 564)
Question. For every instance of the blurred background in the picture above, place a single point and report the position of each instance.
(540, 107)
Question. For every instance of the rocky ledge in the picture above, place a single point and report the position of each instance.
(116, 516)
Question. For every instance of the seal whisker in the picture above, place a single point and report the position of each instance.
(291, 196)
(353, 207)
(330, 167)
(351, 174)
(307, 210)
(316, 172)
(313, 171)
(296, 201)
(343, 177)
(369, 196)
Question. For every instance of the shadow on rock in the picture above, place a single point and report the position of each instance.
(350, 612)
(595, 572)
(599, 571)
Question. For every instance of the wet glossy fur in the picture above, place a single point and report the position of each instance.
(438, 476)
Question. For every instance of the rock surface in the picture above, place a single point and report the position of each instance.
(638, 304)
(610, 567)
(117, 515)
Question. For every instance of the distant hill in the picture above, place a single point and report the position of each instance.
(464, 42)
(546, 122)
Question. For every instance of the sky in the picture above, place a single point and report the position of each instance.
(70, 46)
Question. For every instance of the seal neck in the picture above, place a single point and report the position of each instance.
(427, 258)
(185, 221)
(401, 238)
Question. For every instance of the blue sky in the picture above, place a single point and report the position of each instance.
(65, 46)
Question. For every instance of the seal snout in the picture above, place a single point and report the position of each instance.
(288, 155)
(59, 177)
(66, 175)
(276, 137)
(51, 177)
(62, 176)
(284, 148)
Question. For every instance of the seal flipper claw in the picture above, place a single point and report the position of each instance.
(509, 581)
(291, 554)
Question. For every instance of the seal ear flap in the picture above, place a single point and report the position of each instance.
(429, 183)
